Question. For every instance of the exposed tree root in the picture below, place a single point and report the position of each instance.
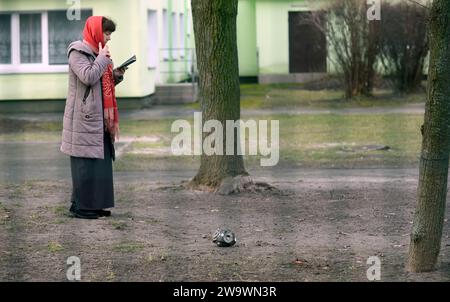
(233, 185)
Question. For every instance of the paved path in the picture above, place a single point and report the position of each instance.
(159, 112)
(43, 161)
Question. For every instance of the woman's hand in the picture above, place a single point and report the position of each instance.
(121, 71)
(103, 51)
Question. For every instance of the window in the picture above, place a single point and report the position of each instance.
(30, 38)
(174, 33)
(152, 39)
(307, 43)
(165, 50)
(61, 32)
(37, 41)
(182, 36)
(5, 39)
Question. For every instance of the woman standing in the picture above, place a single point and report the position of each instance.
(91, 119)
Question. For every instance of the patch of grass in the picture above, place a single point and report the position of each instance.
(4, 214)
(332, 99)
(146, 128)
(111, 276)
(129, 247)
(133, 188)
(152, 220)
(194, 106)
(60, 221)
(324, 138)
(54, 247)
(15, 191)
(8, 125)
(152, 258)
(321, 140)
(263, 89)
(118, 225)
(60, 211)
(31, 136)
(149, 259)
(128, 214)
(36, 217)
(152, 162)
(13, 130)
(161, 143)
(276, 98)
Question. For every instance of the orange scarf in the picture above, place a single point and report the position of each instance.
(93, 35)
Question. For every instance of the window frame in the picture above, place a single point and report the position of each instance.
(15, 66)
(152, 42)
(174, 36)
(165, 36)
(182, 36)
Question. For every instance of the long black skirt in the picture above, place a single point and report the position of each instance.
(92, 179)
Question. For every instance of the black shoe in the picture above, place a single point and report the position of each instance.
(84, 214)
(103, 213)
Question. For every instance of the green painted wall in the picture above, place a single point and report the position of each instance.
(33, 86)
(129, 38)
(246, 38)
(273, 34)
(125, 42)
(176, 68)
(262, 37)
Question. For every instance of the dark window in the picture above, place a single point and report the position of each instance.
(307, 43)
(30, 38)
(5, 39)
(61, 32)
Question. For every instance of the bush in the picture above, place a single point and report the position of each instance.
(404, 44)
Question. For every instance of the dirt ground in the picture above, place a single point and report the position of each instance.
(314, 229)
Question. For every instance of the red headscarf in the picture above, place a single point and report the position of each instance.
(93, 35)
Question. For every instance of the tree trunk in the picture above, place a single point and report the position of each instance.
(217, 60)
(373, 51)
(432, 190)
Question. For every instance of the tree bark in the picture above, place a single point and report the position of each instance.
(219, 91)
(432, 190)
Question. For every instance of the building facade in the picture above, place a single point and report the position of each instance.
(34, 37)
(272, 48)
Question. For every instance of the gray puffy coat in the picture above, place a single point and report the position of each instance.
(83, 126)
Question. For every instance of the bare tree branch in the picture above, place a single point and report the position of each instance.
(404, 44)
(413, 1)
